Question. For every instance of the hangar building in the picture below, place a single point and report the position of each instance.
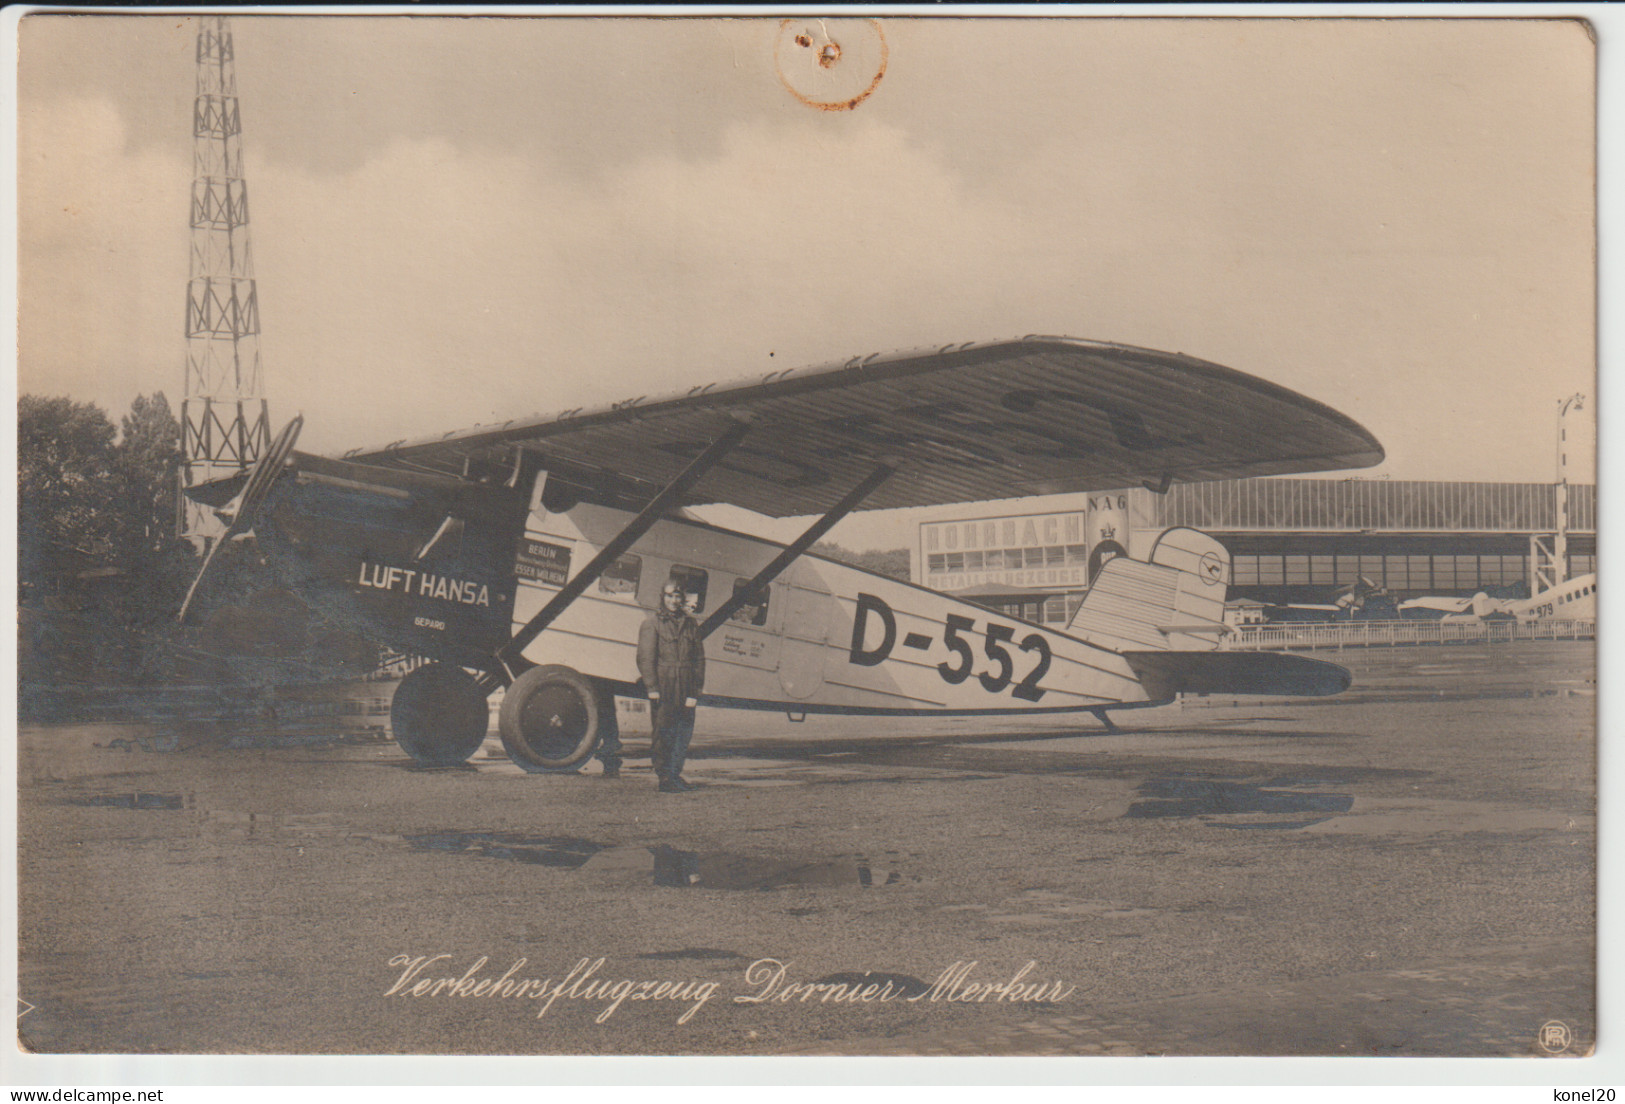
(1291, 540)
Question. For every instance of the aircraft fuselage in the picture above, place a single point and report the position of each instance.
(451, 570)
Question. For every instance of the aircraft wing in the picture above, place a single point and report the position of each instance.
(1441, 605)
(1038, 415)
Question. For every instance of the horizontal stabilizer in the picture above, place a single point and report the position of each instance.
(1165, 674)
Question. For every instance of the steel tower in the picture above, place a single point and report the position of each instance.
(224, 420)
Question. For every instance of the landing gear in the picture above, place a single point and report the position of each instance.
(438, 715)
(552, 719)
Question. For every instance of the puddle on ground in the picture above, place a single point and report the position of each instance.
(1276, 825)
(533, 850)
(683, 869)
(703, 953)
(670, 866)
(133, 800)
(1194, 797)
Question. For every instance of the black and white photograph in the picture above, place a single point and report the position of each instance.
(742, 535)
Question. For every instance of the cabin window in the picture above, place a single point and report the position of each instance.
(751, 613)
(694, 581)
(620, 579)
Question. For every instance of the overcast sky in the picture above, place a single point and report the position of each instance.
(466, 220)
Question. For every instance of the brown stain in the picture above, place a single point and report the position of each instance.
(828, 56)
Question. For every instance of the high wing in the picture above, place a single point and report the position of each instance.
(1038, 415)
(1439, 605)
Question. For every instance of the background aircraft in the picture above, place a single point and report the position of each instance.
(1361, 600)
(1574, 600)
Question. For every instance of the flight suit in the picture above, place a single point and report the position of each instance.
(671, 659)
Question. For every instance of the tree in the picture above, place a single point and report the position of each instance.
(891, 561)
(147, 470)
(148, 460)
(66, 492)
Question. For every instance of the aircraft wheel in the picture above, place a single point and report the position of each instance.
(438, 715)
(551, 719)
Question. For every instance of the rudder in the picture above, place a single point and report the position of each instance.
(1174, 601)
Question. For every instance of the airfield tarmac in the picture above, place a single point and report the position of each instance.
(1407, 869)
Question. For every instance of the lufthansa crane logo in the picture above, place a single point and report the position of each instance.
(1211, 569)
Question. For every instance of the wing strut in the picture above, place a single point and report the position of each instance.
(748, 593)
(611, 552)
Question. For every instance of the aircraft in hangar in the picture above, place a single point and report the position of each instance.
(1361, 600)
(525, 556)
(1574, 600)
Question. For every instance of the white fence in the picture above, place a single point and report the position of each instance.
(1387, 634)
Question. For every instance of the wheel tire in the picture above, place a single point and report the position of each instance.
(551, 720)
(438, 715)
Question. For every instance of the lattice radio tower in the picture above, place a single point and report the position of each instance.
(225, 425)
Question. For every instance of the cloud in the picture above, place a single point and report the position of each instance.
(102, 251)
(430, 288)
(1360, 224)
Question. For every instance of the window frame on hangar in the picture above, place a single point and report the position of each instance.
(1290, 538)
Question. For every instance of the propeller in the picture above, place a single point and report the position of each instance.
(1352, 597)
(239, 513)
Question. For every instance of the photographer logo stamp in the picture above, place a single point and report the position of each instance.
(1554, 1037)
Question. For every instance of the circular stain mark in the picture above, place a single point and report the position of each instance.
(830, 64)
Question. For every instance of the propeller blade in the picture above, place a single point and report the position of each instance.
(186, 605)
(261, 478)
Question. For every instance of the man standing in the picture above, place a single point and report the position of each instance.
(671, 659)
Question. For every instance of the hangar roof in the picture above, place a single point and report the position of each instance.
(1371, 505)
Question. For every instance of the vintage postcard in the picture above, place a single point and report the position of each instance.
(868, 536)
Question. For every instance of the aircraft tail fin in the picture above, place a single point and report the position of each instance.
(1174, 601)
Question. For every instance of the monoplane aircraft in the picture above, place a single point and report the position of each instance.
(1359, 600)
(524, 556)
(1574, 600)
